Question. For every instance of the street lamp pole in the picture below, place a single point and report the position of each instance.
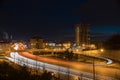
(93, 69)
(36, 68)
(58, 72)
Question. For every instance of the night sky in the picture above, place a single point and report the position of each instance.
(55, 18)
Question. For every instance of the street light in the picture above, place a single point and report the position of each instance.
(101, 50)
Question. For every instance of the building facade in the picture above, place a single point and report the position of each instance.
(82, 34)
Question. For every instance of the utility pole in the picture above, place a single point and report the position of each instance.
(14, 58)
(93, 69)
(58, 72)
(81, 76)
(68, 71)
(36, 62)
(43, 67)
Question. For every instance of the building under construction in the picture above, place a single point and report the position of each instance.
(82, 34)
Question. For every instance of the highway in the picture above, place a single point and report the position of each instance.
(22, 60)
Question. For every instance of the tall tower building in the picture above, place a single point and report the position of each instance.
(82, 34)
(77, 35)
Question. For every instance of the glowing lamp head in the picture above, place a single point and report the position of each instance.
(101, 50)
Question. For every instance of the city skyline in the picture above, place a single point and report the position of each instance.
(59, 40)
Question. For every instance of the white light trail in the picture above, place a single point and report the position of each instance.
(21, 60)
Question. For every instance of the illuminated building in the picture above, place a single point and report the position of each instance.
(4, 46)
(82, 34)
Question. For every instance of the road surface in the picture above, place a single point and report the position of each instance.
(73, 68)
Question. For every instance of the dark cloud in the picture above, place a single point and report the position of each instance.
(54, 18)
(118, 1)
(1, 2)
(101, 12)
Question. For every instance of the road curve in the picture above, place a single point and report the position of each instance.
(101, 71)
(21, 60)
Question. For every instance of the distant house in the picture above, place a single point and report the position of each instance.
(4, 45)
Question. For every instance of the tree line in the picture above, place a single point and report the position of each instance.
(15, 72)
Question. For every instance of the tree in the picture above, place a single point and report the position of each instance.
(46, 76)
(68, 54)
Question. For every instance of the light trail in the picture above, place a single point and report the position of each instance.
(108, 61)
(21, 60)
(18, 59)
